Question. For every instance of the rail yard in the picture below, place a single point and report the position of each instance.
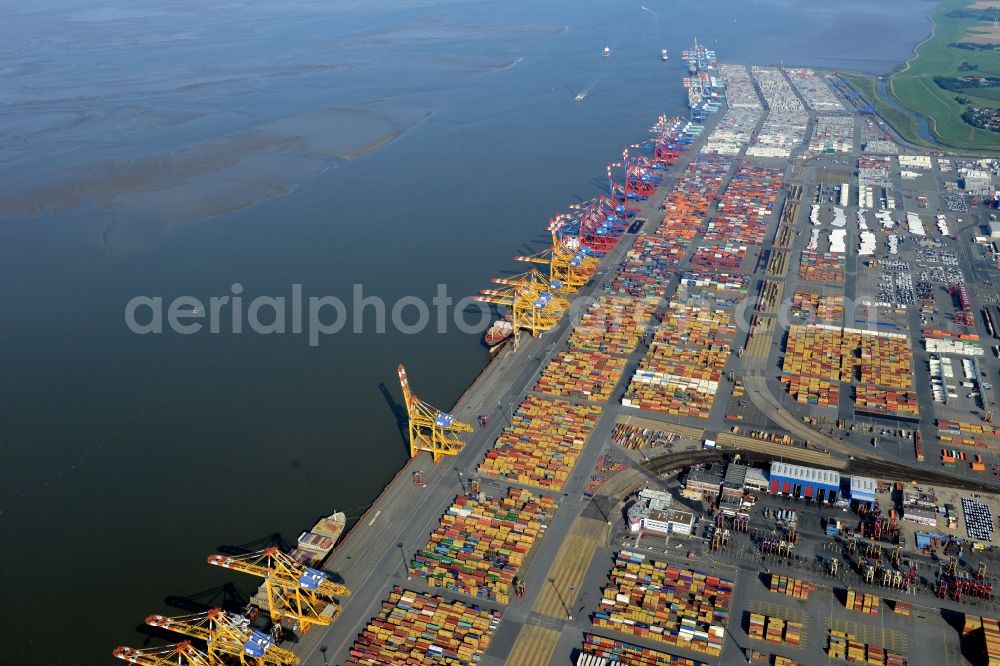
(756, 371)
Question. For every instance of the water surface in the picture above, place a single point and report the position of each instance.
(176, 147)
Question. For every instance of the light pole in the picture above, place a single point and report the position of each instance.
(569, 615)
(322, 651)
(402, 555)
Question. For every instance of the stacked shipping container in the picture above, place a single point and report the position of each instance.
(862, 602)
(613, 325)
(587, 375)
(821, 267)
(661, 602)
(415, 629)
(626, 654)
(481, 543)
(792, 587)
(542, 444)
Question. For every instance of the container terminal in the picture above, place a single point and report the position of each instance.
(740, 410)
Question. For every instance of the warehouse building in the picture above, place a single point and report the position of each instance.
(976, 182)
(862, 489)
(704, 481)
(756, 480)
(920, 516)
(733, 485)
(822, 485)
(666, 521)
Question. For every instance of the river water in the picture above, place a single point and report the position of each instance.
(174, 148)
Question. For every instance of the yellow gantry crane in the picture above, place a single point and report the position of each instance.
(431, 429)
(183, 654)
(534, 307)
(227, 639)
(294, 591)
(569, 268)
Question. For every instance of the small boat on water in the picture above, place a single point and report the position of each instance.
(607, 51)
(580, 96)
(664, 55)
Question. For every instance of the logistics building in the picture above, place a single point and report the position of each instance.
(822, 485)
(920, 516)
(756, 479)
(704, 481)
(862, 489)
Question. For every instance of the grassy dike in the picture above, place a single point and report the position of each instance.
(904, 124)
(913, 86)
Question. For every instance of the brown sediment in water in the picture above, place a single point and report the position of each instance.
(211, 178)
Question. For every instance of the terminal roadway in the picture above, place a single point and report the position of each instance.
(373, 556)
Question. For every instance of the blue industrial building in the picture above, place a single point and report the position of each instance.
(822, 485)
(862, 489)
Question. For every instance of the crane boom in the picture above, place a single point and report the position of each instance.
(304, 594)
(431, 429)
(225, 637)
(183, 654)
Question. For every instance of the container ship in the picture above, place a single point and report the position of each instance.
(315, 544)
(498, 333)
(705, 86)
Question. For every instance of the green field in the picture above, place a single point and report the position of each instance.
(914, 85)
(904, 125)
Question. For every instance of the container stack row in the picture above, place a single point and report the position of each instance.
(725, 255)
(627, 654)
(832, 134)
(812, 391)
(542, 444)
(735, 129)
(481, 542)
(785, 124)
(661, 602)
(821, 267)
(862, 602)
(784, 661)
(846, 647)
(613, 325)
(580, 374)
(812, 306)
(414, 629)
(680, 374)
(774, 630)
(984, 634)
(884, 402)
(847, 354)
(724, 290)
(792, 587)
(687, 205)
(756, 630)
(746, 206)
(937, 341)
(814, 90)
(967, 428)
(648, 266)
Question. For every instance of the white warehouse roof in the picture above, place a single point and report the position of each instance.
(862, 486)
(827, 477)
